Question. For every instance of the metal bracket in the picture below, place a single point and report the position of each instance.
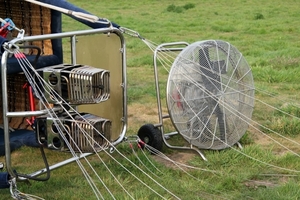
(131, 32)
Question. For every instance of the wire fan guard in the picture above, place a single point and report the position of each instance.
(210, 94)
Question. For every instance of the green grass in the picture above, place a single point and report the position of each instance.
(266, 32)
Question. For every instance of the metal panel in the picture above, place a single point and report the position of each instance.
(104, 51)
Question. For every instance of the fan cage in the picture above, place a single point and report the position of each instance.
(210, 94)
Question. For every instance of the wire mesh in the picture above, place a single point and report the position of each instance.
(210, 94)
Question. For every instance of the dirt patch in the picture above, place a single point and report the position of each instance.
(254, 184)
(259, 183)
(175, 158)
(276, 142)
(140, 114)
(259, 137)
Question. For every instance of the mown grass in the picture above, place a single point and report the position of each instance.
(266, 32)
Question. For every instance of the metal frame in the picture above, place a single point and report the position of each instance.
(165, 47)
(72, 35)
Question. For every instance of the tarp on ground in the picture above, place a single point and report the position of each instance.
(18, 138)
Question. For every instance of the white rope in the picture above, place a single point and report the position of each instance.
(81, 15)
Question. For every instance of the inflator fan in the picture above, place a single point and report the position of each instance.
(210, 94)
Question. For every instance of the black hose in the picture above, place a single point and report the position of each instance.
(46, 166)
(37, 55)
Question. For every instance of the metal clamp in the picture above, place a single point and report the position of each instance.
(10, 48)
(131, 32)
(13, 188)
(21, 34)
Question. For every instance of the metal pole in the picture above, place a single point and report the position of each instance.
(5, 110)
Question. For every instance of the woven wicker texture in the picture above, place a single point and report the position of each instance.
(35, 20)
(18, 100)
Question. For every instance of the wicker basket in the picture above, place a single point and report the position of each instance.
(35, 20)
(18, 100)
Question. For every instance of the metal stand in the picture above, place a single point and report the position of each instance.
(169, 47)
(73, 39)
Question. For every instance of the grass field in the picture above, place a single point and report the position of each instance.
(267, 33)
